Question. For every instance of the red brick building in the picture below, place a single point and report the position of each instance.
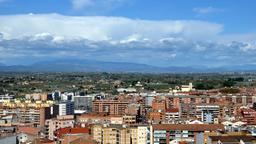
(112, 107)
(159, 105)
(248, 115)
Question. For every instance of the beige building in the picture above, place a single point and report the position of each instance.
(123, 134)
(27, 112)
(54, 124)
(129, 119)
(95, 118)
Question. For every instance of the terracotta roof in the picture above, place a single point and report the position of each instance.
(83, 141)
(190, 127)
(29, 130)
(172, 110)
(233, 138)
(45, 140)
(60, 132)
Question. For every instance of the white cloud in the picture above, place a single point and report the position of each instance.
(248, 47)
(96, 4)
(79, 4)
(97, 28)
(170, 42)
(207, 10)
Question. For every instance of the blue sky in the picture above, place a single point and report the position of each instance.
(158, 32)
(236, 15)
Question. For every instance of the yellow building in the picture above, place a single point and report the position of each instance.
(123, 134)
(27, 112)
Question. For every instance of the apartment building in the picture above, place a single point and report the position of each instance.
(159, 105)
(248, 115)
(83, 103)
(6, 97)
(66, 108)
(172, 115)
(129, 119)
(189, 133)
(33, 113)
(51, 125)
(208, 113)
(187, 111)
(240, 99)
(178, 100)
(112, 107)
(120, 134)
(133, 109)
(155, 117)
(97, 118)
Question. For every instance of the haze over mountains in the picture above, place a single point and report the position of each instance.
(100, 66)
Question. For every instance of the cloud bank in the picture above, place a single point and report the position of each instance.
(104, 28)
(207, 10)
(33, 38)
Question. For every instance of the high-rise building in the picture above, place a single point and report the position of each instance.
(66, 108)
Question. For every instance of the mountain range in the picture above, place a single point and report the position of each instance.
(100, 66)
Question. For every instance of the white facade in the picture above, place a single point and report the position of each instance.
(122, 90)
(142, 134)
(208, 113)
(172, 117)
(5, 98)
(187, 88)
(66, 108)
(62, 109)
(67, 96)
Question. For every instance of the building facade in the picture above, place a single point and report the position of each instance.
(112, 107)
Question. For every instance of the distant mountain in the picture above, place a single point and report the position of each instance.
(99, 66)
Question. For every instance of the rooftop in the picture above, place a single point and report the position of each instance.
(29, 130)
(172, 110)
(233, 139)
(189, 127)
(60, 132)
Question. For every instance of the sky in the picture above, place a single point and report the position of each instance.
(211, 33)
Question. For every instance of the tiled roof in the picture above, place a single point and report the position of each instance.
(172, 110)
(233, 138)
(29, 130)
(45, 140)
(189, 127)
(83, 141)
(60, 132)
